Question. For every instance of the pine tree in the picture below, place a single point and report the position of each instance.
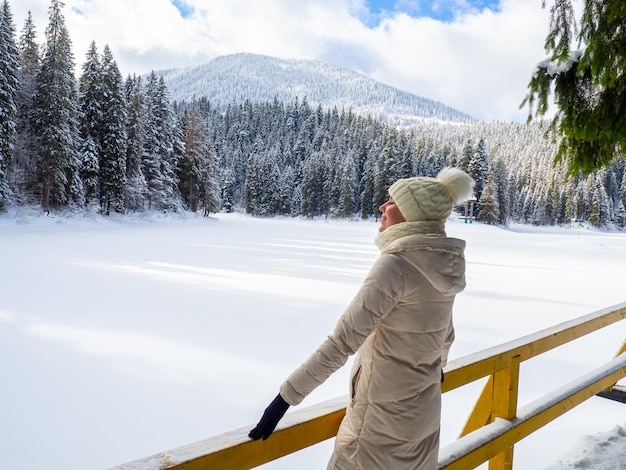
(311, 189)
(424, 148)
(331, 177)
(154, 150)
(55, 117)
(252, 187)
(502, 184)
(599, 204)
(198, 168)
(24, 163)
(136, 188)
(90, 171)
(9, 70)
(589, 82)
(229, 187)
(90, 97)
(594, 217)
(467, 154)
(478, 168)
(406, 168)
(162, 147)
(570, 201)
(488, 206)
(268, 202)
(347, 204)
(113, 137)
(585, 200)
(286, 190)
(386, 172)
(191, 163)
(367, 183)
(91, 124)
(622, 190)
(620, 218)
(211, 200)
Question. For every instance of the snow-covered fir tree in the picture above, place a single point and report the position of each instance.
(501, 182)
(55, 118)
(478, 168)
(407, 163)
(489, 204)
(24, 164)
(387, 169)
(349, 186)
(161, 147)
(194, 135)
(288, 196)
(620, 215)
(9, 70)
(136, 187)
(211, 201)
(466, 156)
(91, 124)
(312, 186)
(622, 188)
(90, 96)
(90, 172)
(113, 137)
(198, 167)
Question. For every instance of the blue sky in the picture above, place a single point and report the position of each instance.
(474, 55)
(442, 10)
(184, 8)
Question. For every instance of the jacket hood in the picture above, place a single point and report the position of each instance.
(439, 259)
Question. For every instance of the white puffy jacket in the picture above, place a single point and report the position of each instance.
(400, 323)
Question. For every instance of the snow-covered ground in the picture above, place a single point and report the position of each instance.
(124, 337)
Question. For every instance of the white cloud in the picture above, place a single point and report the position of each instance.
(479, 63)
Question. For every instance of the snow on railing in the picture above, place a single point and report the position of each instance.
(495, 438)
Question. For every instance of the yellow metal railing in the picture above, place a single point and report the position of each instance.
(494, 426)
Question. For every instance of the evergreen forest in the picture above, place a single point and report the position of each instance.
(108, 144)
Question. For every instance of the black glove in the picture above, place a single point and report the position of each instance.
(270, 419)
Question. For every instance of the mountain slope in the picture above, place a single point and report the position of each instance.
(235, 78)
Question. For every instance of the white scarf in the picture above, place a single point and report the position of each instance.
(404, 229)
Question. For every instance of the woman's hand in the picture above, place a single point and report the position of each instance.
(273, 414)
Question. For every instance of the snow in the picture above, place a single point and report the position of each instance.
(123, 337)
(556, 68)
(605, 450)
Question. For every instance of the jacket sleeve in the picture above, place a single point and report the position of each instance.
(378, 295)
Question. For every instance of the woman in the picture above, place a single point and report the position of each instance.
(400, 323)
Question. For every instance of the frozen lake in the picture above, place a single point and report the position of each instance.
(122, 337)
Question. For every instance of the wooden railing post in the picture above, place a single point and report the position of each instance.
(481, 415)
(497, 400)
(505, 393)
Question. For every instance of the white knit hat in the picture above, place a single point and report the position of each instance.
(424, 198)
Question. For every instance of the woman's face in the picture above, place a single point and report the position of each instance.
(391, 215)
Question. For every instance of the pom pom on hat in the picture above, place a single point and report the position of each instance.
(423, 198)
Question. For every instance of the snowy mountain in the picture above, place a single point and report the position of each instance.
(239, 77)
